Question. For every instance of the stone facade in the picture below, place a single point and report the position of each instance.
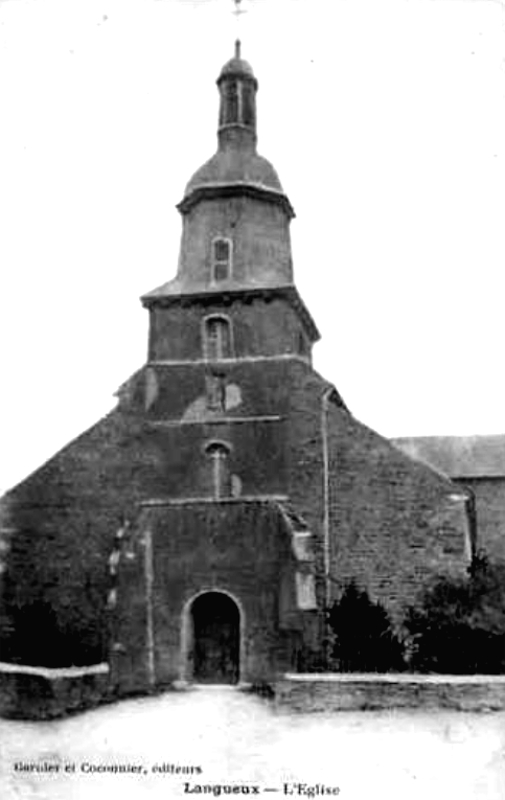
(489, 499)
(477, 464)
(200, 530)
(333, 693)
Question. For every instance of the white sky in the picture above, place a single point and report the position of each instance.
(386, 122)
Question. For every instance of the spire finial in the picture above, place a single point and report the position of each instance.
(238, 10)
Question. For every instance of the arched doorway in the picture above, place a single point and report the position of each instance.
(215, 621)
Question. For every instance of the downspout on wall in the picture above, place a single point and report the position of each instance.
(471, 510)
(325, 402)
(147, 541)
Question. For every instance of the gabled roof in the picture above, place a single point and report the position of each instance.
(458, 456)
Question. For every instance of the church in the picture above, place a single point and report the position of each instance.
(199, 531)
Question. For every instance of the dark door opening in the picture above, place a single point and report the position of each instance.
(216, 642)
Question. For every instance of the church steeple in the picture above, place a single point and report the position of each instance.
(235, 242)
(237, 110)
(236, 161)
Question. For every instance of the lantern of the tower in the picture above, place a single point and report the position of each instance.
(237, 87)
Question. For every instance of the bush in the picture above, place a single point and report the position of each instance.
(459, 625)
(363, 636)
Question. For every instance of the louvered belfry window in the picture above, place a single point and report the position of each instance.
(232, 103)
(248, 105)
(221, 259)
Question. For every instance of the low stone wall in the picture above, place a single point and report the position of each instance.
(42, 693)
(352, 692)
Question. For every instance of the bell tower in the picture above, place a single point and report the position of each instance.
(235, 249)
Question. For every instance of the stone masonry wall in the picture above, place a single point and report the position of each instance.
(330, 693)
(393, 522)
(259, 231)
(490, 513)
(260, 327)
(240, 548)
(62, 521)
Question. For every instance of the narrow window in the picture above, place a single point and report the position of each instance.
(217, 338)
(302, 344)
(215, 387)
(218, 454)
(221, 259)
(248, 104)
(231, 104)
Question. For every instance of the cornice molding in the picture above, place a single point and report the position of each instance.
(244, 294)
(212, 191)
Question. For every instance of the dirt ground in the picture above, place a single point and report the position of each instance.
(202, 742)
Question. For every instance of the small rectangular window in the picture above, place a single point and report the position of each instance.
(221, 259)
(221, 250)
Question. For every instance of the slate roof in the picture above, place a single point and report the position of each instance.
(237, 66)
(236, 165)
(458, 456)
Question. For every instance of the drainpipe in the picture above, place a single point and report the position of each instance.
(149, 581)
(471, 511)
(325, 401)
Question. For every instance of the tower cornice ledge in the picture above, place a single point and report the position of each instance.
(211, 191)
(173, 293)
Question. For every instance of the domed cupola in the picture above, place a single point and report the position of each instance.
(238, 87)
(236, 163)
